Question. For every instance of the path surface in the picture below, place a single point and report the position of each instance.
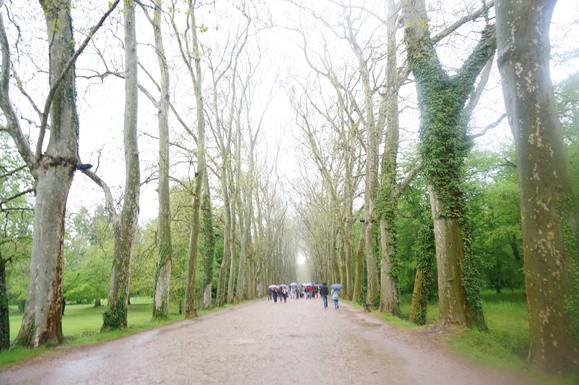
(298, 342)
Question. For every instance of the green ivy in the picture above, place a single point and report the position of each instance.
(115, 317)
(444, 142)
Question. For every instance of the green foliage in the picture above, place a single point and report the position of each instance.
(567, 98)
(144, 261)
(87, 256)
(493, 202)
(16, 218)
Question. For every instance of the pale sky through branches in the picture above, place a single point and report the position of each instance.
(281, 71)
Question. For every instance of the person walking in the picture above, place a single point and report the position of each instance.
(335, 296)
(324, 294)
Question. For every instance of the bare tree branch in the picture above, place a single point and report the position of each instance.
(58, 80)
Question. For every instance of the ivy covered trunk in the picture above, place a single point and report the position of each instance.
(164, 259)
(443, 147)
(387, 193)
(124, 228)
(548, 212)
(209, 247)
(424, 256)
(452, 306)
(359, 276)
(53, 171)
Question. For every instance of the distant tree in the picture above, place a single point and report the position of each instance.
(88, 257)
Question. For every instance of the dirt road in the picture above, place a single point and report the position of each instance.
(298, 342)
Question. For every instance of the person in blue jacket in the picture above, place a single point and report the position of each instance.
(335, 296)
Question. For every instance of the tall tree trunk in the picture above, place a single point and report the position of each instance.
(387, 193)
(4, 314)
(359, 278)
(53, 171)
(444, 145)
(418, 305)
(232, 252)
(115, 315)
(222, 282)
(164, 259)
(190, 289)
(452, 306)
(548, 212)
(424, 257)
(209, 246)
(244, 223)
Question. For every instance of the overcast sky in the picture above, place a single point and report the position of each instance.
(101, 109)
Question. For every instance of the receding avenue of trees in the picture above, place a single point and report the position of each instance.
(396, 190)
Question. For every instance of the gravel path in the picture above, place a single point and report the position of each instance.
(298, 342)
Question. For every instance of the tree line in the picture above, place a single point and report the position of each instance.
(381, 206)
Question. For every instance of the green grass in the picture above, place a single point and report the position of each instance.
(504, 346)
(507, 342)
(81, 326)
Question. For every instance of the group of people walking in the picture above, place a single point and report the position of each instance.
(281, 293)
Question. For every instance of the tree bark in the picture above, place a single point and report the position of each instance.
(359, 277)
(548, 211)
(53, 171)
(209, 246)
(4, 314)
(387, 192)
(164, 258)
(442, 99)
(190, 290)
(418, 304)
(125, 227)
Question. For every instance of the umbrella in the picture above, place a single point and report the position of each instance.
(283, 285)
(293, 284)
(272, 287)
(336, 286)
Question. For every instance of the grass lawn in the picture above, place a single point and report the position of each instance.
(81, 326)
(504, 346)
(507, 342)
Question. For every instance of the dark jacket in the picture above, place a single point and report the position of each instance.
(324, 290)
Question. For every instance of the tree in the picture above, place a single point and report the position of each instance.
(16, 219)
(88, 258)
(444, 144)
(548, 210)
(163, 271)
(125, 223)
(52, 168)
